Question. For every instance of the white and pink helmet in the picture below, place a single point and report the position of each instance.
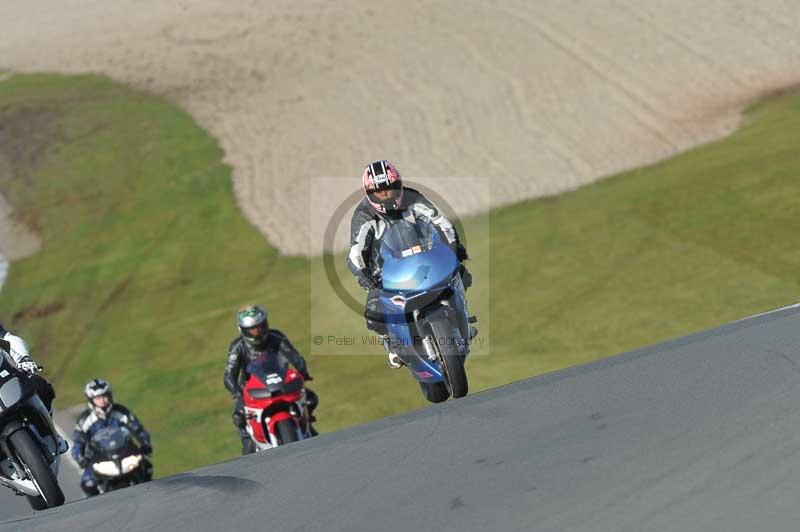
(382, 175)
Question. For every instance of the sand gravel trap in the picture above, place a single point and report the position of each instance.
(541, 96)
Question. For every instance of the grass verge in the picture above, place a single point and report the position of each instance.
(145, 256)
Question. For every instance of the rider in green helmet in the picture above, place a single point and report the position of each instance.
(255, 339)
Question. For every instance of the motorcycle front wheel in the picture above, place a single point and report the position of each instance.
(287, 431)
(435, 392)
(37, 503)
(39, 472)
(452, 360)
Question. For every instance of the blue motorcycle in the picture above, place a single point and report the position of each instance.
(425, 309)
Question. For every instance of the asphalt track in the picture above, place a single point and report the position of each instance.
(701, 433)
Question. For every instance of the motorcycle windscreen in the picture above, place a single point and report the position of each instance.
(266, 366)
(414, 258)
(272, 371)
(111, 440)
(404, 238)
(420, 272)
(275, 390)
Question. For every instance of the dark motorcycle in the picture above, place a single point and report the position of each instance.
(29, 448)
(117, 460)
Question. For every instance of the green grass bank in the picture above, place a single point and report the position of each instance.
(145, 257)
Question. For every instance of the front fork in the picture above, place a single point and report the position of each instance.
(47, 445)
(298, 411)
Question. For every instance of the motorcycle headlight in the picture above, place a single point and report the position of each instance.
(108, 469)
(129, 463)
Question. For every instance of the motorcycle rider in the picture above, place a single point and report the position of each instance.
(386, 201)
(102, 412)
(18, 350)
(255, 339)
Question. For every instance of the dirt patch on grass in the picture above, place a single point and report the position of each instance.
(34, 312)
(16, 239)
(541, 97)
(115, 294)
(25, 135)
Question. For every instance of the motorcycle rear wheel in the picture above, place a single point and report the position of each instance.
(31, 457)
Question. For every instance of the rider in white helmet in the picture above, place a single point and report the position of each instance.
(17, 349)
(102, 412)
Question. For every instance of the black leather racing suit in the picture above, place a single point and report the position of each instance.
(368, 226)
(241, 353)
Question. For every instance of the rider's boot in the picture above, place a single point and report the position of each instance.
(312, 402)
(61, 444)
(89, 487)
(147, 469)
(47, 395)
(247, 446)
(394, 361)
(473, 331)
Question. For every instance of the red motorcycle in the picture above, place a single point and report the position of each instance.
(275, 403)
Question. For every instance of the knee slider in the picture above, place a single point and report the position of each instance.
(376, 326)
(312, 401)
(239, 419)
(375, 320)
(466, 277)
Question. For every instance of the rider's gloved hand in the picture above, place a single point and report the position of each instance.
(29, 366)
(83, 462)
(461, 252)
(306, 376)
(367, 281)
(147, 448)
